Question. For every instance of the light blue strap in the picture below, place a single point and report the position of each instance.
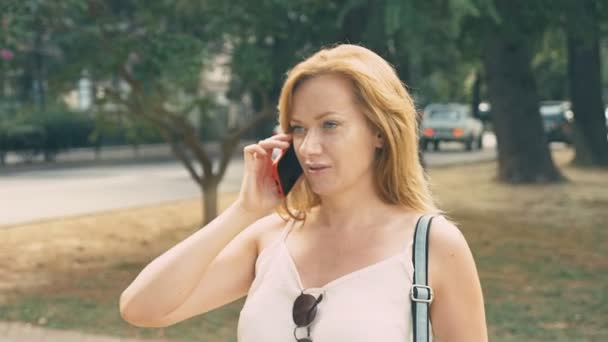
(421, 294)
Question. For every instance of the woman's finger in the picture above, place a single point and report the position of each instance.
(254, 151)
(269, 144)
(282, 136)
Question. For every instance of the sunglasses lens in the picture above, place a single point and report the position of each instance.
(304, 311)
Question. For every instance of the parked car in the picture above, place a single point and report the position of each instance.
(484, 112)
(557, 119)
(450, 122)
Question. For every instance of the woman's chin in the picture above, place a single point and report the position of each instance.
(324, 190)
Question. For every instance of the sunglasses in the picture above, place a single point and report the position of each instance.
(304, 312)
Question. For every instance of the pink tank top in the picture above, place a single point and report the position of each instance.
(369, 304)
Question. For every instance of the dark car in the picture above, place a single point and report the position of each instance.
(557, 121)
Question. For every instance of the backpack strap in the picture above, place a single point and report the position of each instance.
(420, 293)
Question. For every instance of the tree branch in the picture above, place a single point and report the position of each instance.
(230, 142)
(164, 130)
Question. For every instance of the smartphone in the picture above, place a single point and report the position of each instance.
(286, 171)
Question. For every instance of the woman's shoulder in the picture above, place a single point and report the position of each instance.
(267, 230)
(445, 232)
(449, 252)
(445, 238)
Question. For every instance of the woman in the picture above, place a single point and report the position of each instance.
(340, 243)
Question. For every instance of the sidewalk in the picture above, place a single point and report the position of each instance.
(21, 332)
(154, 153)
(109, 155)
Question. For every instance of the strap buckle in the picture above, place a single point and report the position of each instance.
(421, 293)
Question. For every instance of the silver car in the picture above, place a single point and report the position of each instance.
(450, 122)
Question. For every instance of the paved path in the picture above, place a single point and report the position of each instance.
(20, 332)
(45, 194)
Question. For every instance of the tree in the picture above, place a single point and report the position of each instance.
(27, 31)
(146, 61)
(507, 34)
(419, 38)
(267, 38)
(584, 75)
(409, 34)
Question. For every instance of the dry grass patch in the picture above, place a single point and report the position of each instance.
(32, 254)
(69, 273)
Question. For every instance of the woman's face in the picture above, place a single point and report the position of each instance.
(332, 138)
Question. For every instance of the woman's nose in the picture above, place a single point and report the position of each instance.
(310, 144)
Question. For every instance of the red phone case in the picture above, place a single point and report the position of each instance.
(275, 175)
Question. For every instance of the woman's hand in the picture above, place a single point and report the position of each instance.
(258, 192)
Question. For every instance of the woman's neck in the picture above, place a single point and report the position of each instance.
(352, 213)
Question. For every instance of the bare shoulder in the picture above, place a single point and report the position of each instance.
(457, 311)
(446, 237)
(449, 252)
(266, 230)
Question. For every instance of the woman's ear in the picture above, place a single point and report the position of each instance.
(379, 140)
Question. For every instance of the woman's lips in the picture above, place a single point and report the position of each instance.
(316, 169)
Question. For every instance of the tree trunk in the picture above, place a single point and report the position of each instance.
(584, 75)
(40, 93)
(210, 201)
(523, 152)
(476, 95)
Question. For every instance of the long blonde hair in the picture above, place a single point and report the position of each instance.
(388, 107)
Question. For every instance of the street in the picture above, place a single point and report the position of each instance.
(44, 194)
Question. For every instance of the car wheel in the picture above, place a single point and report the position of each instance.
(480, 142)
(468, 145)
(436, 145)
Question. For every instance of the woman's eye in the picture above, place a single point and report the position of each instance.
(330, 124)
(296, 129)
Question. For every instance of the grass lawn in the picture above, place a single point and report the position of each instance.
(541, 252)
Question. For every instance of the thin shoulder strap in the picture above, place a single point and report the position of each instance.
(420, 293)
(288, 228)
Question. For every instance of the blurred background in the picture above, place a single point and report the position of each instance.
(122, 125)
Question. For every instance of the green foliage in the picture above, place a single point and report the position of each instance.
(214, 126)
(171, 57)
(393, 13)
(435, 45)
(123, 130)
(26, 140)
(269, 37)
(550, 67)
(31, 133)
(18, 14)
(52, 132)
(63, 129)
